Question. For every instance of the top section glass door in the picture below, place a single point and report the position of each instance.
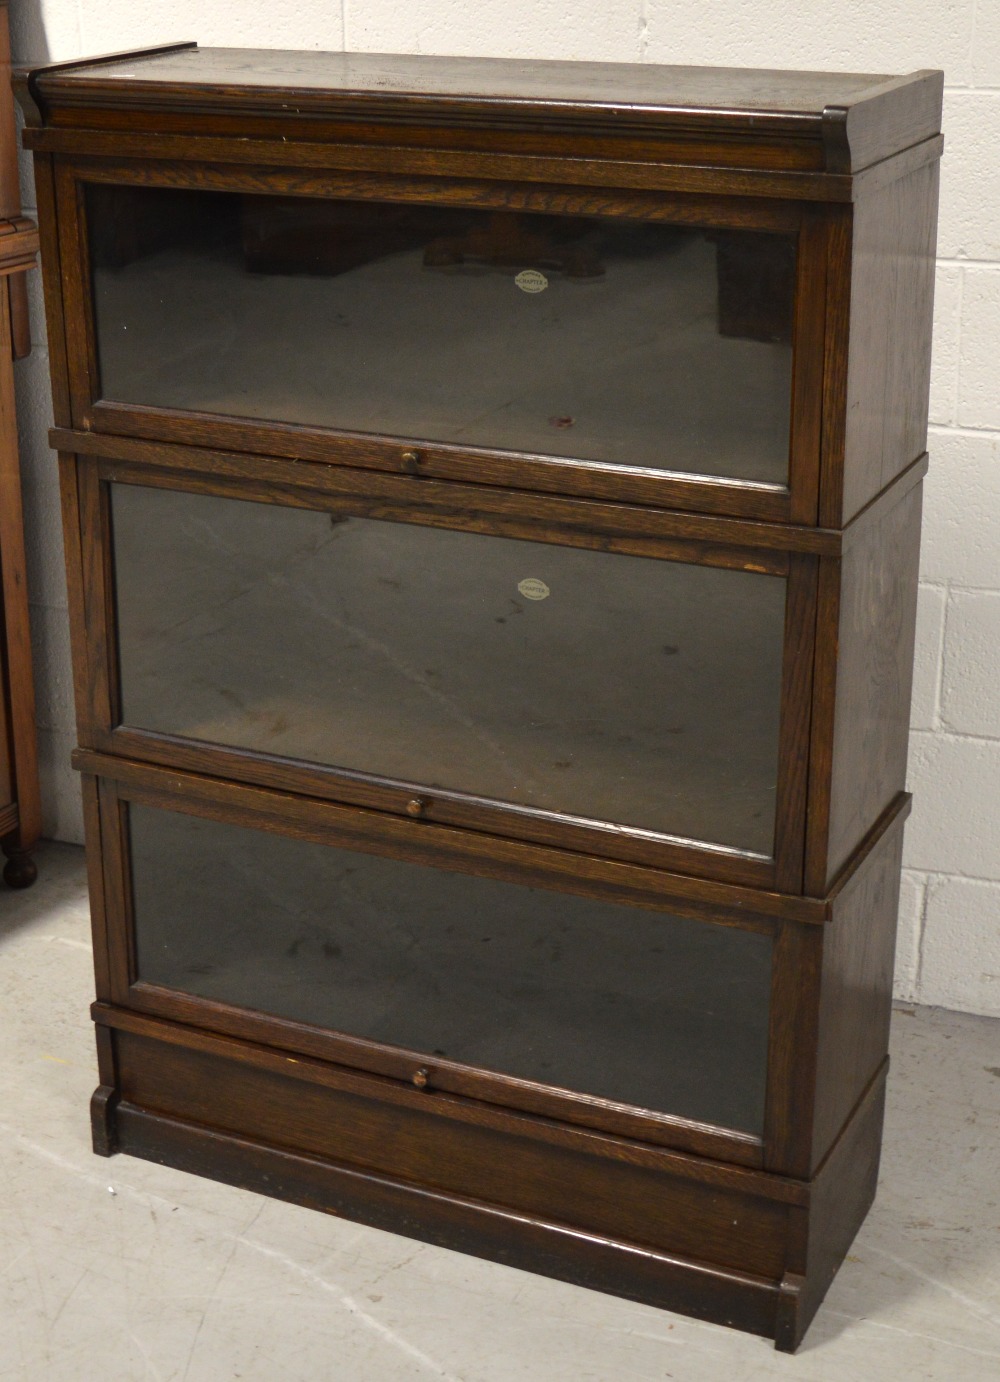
(607, 340)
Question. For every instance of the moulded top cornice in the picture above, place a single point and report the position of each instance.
(857, 119)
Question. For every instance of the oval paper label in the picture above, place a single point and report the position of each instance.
(531, 281)
(533, 589)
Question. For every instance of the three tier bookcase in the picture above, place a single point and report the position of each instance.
(492, 504)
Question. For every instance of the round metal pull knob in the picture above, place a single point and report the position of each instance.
(417, 806)
(412, 460)
(421, 1076)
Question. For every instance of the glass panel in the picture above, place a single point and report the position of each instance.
(610, 340)
(641, 1007)
(620, 688)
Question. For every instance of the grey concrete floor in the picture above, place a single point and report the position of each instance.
(120, 1270)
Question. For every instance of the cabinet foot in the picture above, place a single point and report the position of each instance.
(20, 870)
(103, 1103)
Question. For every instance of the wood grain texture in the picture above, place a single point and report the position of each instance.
(856, 993)
(10, 194)
(465, 850)
(806, 430)
(896, 114)
(9, 805)
(80, 641)
(687, 167)
(474, 509)
(122, 431)
(880, 305)
(86, 519)
(82, 367)
(487, 1230)
(465, 811)
(736, 131)
(796, 706)
(559, 187)
(626, 170)
(722, 1222)
(840, 1197)
(484, 89)
(860, 735)
(633, 529)
(876, 352)
(48, 227)
(726, 1226)
(459, 1094)
(20, 795)
(117, 930)
(830, 1008)
(791, 1088)
(767, 501)
(803, 1230)
(842, 121)
(18, 691)
(105, 1097)
(636, 161)
(829, 1011)
(104, 955)
(485, 1097)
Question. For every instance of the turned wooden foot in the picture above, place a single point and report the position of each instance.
(20, 870)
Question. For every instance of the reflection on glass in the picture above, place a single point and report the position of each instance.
(610, 340)
(640, 1007)
(625, 689)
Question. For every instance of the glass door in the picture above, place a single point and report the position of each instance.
(631, 1007)
(637, 696)
(615, 353)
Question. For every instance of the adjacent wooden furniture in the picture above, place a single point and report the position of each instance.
(20, 806)
(492, 498)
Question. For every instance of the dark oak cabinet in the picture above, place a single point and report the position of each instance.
(492, 504)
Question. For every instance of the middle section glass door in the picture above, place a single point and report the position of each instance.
(630, 690)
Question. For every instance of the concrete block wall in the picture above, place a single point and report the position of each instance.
(949, 949)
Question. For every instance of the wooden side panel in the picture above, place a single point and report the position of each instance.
(887, 275)
(856, 995)
(864, 677)
(718, 1224)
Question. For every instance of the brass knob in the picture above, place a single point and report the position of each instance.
(417, 806)
(421, 1077)
(412, 459)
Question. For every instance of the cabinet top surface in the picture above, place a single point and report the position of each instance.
(626, 85)
(618, 96)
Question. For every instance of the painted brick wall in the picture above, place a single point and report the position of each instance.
(950, 914)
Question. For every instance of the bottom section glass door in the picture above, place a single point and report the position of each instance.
(633, 1006)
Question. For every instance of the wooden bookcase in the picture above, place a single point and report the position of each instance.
(492, 497)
